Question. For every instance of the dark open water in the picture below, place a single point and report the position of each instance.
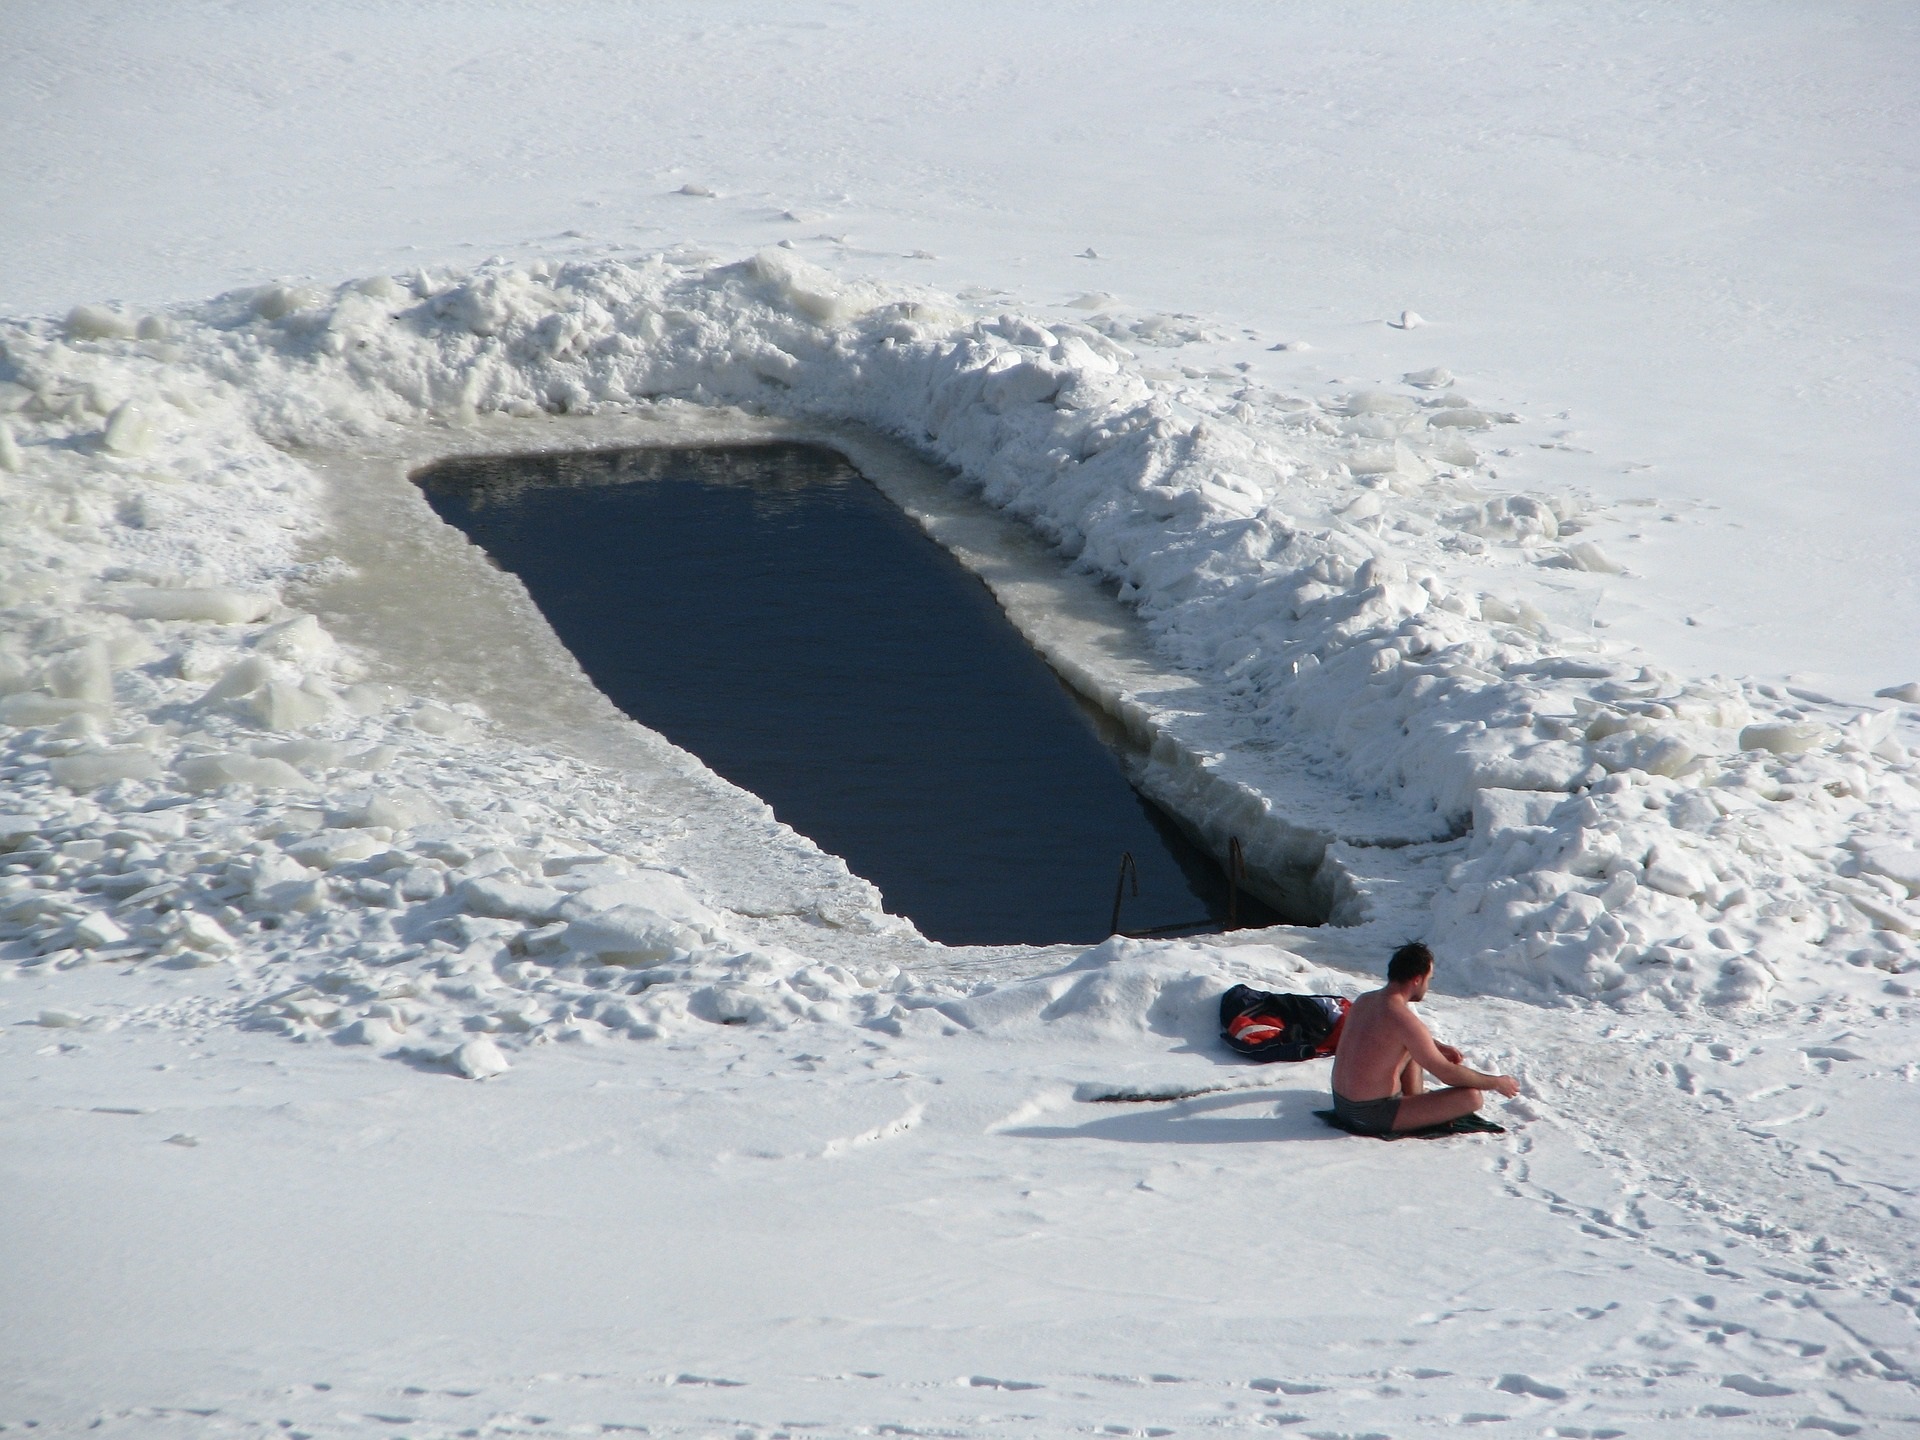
(768, 609)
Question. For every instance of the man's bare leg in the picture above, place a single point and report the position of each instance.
(1413, 1080)
(1419, 1111)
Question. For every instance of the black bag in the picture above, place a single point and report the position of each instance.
(1267, 1026)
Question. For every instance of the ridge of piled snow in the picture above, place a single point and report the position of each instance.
(196, 770)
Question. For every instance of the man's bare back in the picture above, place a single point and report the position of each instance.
(1386, 1052)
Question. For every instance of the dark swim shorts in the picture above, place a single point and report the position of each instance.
(1374, 1117)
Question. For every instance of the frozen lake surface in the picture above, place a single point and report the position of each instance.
(766, 608)
(1494, 427)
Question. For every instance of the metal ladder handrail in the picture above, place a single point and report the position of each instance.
(1129, 870)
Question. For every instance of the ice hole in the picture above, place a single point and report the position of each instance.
(766, 608)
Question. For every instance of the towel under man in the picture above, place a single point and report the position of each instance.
(1386, 1052)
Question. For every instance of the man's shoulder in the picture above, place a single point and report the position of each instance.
(1364, 1006)
(1398, 1007)
(1408, 1017)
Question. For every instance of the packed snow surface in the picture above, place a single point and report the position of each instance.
(399, 1041)
(1678, 238)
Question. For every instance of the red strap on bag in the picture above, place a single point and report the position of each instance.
(1255, 1029)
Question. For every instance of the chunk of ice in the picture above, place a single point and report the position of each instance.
(280, 706)
(421, 882)
(223, 607)
(505, 900)
(1460, 417)
(201, 773)
(1677, 872)
(1377, 402)
(1896, 862)
(1795, 738)
(276, 302)
(305, 753)
(478, 1059)
(1590, 557)
(97, 930)
(398, 810)
(99, 322)
(811, 290)
(203, 933)
(300, 638)
(131, 430)
(89, 771)
(330, 849)
(35, 708)
(371, 1030)
(447, 724)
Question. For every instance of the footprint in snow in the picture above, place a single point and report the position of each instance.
(1527, 1385)
(1759, 1389)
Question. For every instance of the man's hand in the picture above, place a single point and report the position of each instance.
(1448, 1051)
(1506, 1085)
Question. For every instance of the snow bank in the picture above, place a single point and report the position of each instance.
(197, 772)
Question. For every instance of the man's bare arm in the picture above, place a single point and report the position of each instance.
(1427, 1054)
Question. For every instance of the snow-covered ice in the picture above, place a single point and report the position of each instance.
(399, 1039)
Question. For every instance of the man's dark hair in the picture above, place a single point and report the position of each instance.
(1409, 962)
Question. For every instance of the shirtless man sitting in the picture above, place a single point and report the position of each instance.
(1386, 1052)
